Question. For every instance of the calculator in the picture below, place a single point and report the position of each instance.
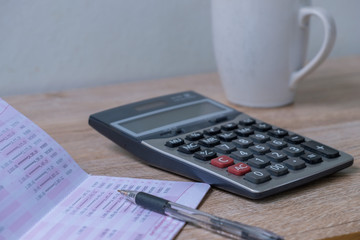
(194, 136)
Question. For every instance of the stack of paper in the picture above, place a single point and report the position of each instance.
(44, 194)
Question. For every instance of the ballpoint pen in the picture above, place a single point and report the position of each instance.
(210, 222)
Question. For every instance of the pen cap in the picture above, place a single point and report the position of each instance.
(151, 202)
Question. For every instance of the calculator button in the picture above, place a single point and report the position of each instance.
(243, 142)
(277, 169)
(320, 149)
(258, 162)
(206, 154)
(263, 127)
(295, 139)
(227, 137)
(222, 161)
(174, 142)
(257, 177)
(259, 149)
(247, 121)
(212, 131)
(189, 148)
(229, 126)
(294, 151)
(242, 155)
(225, 148)
(244, 132)
(276, 144)
(260, 138)
(295, 164)
(276, 156)
(311, 158)
(194, 136)
(279, 133)
(239, 169)
(209, 142)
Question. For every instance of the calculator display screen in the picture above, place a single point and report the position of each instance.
(170, 117)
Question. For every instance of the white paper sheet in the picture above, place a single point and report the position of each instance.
(44, 194)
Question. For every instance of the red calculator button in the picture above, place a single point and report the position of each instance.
(222, 161)
(239, 169)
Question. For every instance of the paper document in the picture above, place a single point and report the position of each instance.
(44, 194)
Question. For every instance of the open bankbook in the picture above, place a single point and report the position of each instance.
(44, 194)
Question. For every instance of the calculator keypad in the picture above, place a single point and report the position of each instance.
(256, 151)
(257, 158)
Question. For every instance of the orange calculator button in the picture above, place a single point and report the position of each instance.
(222, 161)
(239, 169)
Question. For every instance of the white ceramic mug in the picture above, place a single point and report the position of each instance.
(260, 48)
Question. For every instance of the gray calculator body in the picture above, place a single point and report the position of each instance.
(192, 135)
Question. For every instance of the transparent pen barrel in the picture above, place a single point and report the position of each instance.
(219, 225)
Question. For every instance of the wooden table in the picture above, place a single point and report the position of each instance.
(327, 108)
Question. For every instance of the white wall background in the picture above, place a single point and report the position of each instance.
(54, 45)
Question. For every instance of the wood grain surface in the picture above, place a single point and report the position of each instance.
(327, 109)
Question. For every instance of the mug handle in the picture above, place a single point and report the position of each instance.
(328, 43)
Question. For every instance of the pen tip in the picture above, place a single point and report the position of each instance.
(122, 192)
